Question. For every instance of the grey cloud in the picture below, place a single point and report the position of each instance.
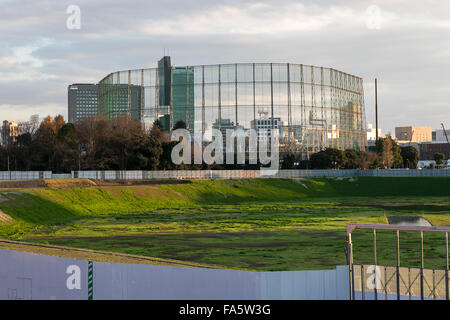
(410, 54)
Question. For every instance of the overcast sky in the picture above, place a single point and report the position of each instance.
(405, 43)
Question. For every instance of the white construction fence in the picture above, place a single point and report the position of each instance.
(218, 174)
(29, 276)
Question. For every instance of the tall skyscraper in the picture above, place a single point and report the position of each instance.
(183, 96)
(10, 131)
(82, 101)
(164, 80)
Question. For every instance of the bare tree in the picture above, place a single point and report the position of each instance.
(28, 127)
(387, 155)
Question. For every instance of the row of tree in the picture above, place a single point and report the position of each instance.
(387, 154)
(93, 144)
(123, 144)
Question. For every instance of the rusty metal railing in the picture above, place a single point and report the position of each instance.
(430, 283)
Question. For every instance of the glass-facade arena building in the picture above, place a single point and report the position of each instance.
(313, 107)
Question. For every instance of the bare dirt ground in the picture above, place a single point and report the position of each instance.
(6, 185)
(92, 255)
(4, 218)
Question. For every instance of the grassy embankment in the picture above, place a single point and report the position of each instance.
(260, 224)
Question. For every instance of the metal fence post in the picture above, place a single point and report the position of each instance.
(385, 283)
(409, 282)
(421, 265)
(398, 265)
(350, 265)
(446, 267)
(375, 262)
(362, 283)
(434, 284)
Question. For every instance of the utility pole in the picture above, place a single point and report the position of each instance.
(376, 110)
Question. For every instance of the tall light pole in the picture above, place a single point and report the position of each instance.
(376, 110)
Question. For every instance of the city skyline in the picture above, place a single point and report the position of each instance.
(403, 46)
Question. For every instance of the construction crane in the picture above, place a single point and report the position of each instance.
(445, 132)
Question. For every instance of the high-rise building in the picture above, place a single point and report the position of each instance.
(125, 100)
(442, 136)
(10, 131)
(223, 125)
(164, 80)
(264, 127)
(82, 101)
(183, 96)
(413, 134)
(371, 133)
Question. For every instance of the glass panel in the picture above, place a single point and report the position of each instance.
(280, 93)
(245, 94)
(245, 116)
(228, 94)
(212, 74)
(227, 73)
(262, 72)
(262, 94)
(245, 73)
(279, 72)
(294, 73)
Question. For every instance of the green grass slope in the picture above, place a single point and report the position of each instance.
(261, 224)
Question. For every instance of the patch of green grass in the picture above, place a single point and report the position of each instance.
(259, 224)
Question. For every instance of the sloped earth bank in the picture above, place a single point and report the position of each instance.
(259, 224)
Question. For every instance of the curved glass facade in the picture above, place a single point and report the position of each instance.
(313, 107)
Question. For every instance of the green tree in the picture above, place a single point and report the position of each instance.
(67, 134)
(3, 159)
(166, 156)
(329, 158)
(389, 153)
(67, 149)
(368, 160)
(352, 159)
(439, 158)
(155, 152)
(44, 144)
(20, 152)
(410, 157)
(288, 161)
(304, 164)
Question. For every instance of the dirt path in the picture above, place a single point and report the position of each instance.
(99, 256)
(4, 218)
